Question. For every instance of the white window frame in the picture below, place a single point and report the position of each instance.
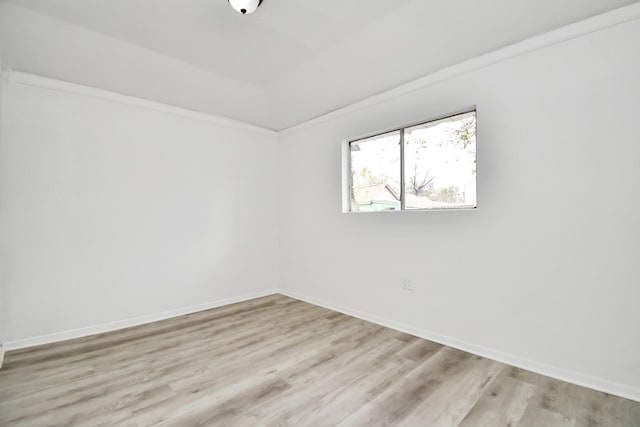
(347, 184)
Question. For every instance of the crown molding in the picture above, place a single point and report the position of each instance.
(541, 41)
(34, 80)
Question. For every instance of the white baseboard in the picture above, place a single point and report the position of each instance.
(127, 323)
(570, 376)
(567, 375)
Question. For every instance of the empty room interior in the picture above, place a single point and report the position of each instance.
(320, 213)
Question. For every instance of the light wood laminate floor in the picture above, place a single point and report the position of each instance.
(275, 361)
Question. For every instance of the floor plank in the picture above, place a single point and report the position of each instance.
(275, 361)
(503, 404)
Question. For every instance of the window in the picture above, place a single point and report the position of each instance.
(427, 166)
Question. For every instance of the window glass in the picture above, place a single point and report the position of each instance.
(440, 163)
(375, 173)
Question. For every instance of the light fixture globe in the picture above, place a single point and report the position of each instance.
(245, 7)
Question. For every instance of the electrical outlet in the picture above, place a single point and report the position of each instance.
(406, 284)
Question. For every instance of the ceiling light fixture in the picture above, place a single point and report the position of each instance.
(245, 7)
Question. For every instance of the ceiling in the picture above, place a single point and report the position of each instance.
(302, 58)
(210, 34)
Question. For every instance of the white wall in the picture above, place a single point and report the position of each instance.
(112, 211)
(545, 273)
(2, 266)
